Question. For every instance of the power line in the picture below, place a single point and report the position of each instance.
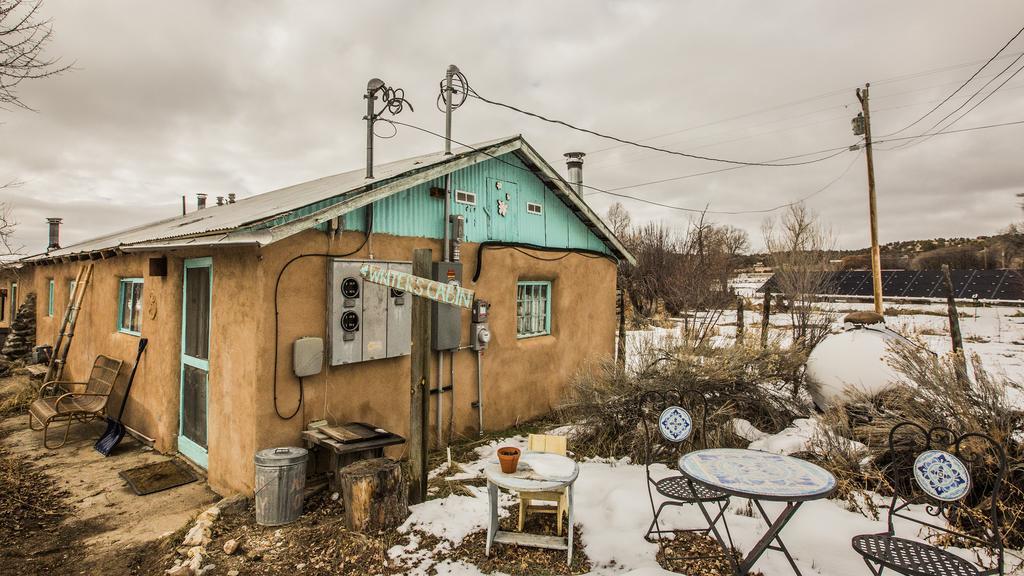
(943, 132)
(475, 94)
(836, 152)
(738, 212)
(926, 134)
(962, 86)
(612, 192)
(821, 96)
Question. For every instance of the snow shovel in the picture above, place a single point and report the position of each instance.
(115, 429)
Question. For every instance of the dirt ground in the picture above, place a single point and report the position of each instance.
(67, 511)
(74, 513)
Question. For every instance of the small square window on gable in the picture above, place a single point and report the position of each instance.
(534, 208)
(129, 312)
(463, 197)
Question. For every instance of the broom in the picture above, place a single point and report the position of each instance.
(115, 431)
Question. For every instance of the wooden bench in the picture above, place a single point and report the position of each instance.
(66, 401)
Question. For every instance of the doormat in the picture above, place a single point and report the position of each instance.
(158, 476)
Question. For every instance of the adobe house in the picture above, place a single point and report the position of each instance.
(223, 293)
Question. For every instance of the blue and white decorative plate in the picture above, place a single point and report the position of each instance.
(942, 475)
(675, 424)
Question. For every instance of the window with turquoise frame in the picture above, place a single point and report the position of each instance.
(49, 304)
(533, 309)
(129, 312)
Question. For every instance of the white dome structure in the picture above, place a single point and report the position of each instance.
(851, 360)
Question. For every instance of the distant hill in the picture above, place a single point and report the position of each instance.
(1004, 250)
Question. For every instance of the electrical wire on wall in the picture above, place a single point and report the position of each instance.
(277, 323)
(519, 247)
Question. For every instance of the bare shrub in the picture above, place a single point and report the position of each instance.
(739, 382)
(934, 396)
(799, 249)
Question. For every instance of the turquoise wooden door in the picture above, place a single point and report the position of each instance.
(502, 210)
(195, 359)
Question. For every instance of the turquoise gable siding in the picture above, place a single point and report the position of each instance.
(414, 212)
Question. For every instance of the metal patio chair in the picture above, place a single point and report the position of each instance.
(669, 432)
(65, 401)
(938, 469)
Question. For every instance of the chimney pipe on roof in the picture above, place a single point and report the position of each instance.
(200, 201)
(54, 243)
(574, 160)
(220, 200)
(231, 198)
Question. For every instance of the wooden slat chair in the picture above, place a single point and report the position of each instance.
(65, 401)
(947, 475)
(549, 445)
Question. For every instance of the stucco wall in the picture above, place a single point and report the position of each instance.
(153, 407)
(23, 278)
(523, 378)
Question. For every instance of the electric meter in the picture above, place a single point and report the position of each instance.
(350, 288)
(349, 321)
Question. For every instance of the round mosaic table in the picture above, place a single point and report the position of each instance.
(530, 478)
(759, 476)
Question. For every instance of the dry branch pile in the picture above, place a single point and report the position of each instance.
(938, 395)
(748, 382)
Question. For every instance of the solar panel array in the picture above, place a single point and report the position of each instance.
(967, 284)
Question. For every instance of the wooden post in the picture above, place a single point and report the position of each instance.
(766, 312)
(419, 409)
(876, 258)
(374, 495)
(954, 324)
(621, 347)
(739, 320)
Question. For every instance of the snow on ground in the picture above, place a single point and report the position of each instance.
(995, 333)
(612, 506)
(613, 512)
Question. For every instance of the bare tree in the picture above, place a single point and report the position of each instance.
(799, 248)
(619, 220)
(24, 35)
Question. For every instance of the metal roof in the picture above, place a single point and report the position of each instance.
(251, 220)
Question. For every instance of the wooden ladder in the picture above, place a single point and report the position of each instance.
(67, 326)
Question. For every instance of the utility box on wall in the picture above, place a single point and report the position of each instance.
(445, 319)
(368, 321)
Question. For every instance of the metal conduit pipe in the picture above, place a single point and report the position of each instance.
(451, 361)
(440, 394)
(480, 389)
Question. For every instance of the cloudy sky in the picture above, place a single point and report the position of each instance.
(173, 98)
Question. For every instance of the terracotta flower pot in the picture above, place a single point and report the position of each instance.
(509, 459)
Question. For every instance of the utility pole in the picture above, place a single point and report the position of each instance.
(862, 125)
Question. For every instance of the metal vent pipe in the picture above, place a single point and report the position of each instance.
(574, 160)
(200, 201)
(54, 243)
(231, 197)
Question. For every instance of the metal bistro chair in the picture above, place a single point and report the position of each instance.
(940, 478)
(675, 425)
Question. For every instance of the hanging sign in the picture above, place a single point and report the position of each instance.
(418, 286)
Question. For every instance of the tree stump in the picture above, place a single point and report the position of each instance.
(375, 495)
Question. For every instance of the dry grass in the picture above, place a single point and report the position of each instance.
(16, 393)
(759, 385)
(937, 395)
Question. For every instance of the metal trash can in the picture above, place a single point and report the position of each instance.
(280, 482)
